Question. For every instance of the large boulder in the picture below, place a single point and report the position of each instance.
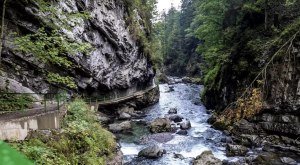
(236, 150)
(160, 125)
(185, 125)
(175, 118)
(120, 127)
(267, 158)
(207, 158)
(152, 152)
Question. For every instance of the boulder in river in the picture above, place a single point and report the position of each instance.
(267, 158)
(160, 125)
(182, 132)
(152, 152)
(158, 137)
(236, 150)
(207, 158)
(175, 118)
(185, 124)
(288, 160)
(172, 111)
(120, 127)
(124, 116)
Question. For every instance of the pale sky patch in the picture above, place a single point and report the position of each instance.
(166, 4)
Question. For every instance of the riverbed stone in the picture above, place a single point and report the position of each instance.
(124, 116)
(288, 160)
(176, 118)
(172, 111)
(160, 125)
(185, 124)
(267, 158)
(236, 150)
(120, 127)
(207, 158)
(152, 152)
(158, 137)
(182, 132)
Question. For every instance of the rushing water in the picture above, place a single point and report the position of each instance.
(201, 136)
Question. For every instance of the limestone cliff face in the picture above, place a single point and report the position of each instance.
(117, 61)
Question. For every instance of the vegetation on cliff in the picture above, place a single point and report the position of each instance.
(238, 41)
(80, 141)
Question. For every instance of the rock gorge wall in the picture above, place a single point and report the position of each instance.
(117, 61)
(280, 86)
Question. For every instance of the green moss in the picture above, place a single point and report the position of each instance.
(57, 79)
(81, 141)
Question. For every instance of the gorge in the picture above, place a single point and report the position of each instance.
(212, 82)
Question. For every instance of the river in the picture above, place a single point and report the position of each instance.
(201, 137)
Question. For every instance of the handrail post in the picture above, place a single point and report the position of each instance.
(45, 102)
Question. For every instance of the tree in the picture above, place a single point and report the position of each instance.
(2, 28)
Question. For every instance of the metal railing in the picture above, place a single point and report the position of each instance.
(12, 102)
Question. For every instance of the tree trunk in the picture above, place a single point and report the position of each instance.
(2, 29)
(266, 14)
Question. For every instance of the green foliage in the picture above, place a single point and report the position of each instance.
(58, 79)
(55, 18)
(51, 47)
(9, 156)
(49, 44)
(14, 102)
(81, 141)
(141, 28)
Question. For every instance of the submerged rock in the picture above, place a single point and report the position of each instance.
(121, 127)
(159, 137)
(160, 125)
(207, 158)
(186, 124)
(182, 132)
(172, 111)
(152, 152)
(236, 150)
(176, 118)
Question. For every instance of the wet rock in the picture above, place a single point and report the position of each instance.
(178, 156)
(171, 88)
(236, 150)
(243, 126)
(117, 159)
(226, 140)
(160, 125)
(212, 119)
(250, 140)
(207, 158)
(124, 116)
(288, 160)
(152, 152)
(159, 137)
(267, 158)
(186, 124)
(102, 118)
(172, 111)
(121, 127)
(182, 132)
(175, 118)
(197, 102)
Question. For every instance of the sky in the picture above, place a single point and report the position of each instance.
(166, 4)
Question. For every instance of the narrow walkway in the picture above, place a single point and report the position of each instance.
(121, 99)
(53, 107)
